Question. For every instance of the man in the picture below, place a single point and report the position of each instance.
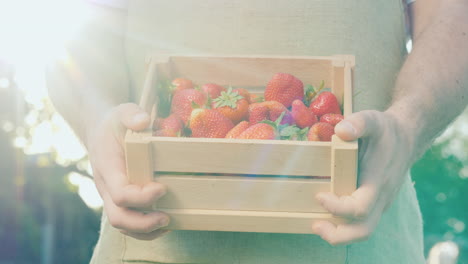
(429, 92)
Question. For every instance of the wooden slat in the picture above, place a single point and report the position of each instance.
(270, 157)
(245, 221)
(344, 166)
(251, 71)
(242, 193)
(348, 88)
(338, 82)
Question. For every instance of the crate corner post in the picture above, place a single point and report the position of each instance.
(344, 166)
(139, 159)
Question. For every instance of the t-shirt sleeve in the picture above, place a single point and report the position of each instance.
(120, 4)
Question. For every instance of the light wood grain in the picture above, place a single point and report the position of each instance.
(241, 156)
(242, 193)
(138, 154)
(344, 166)
(251, 71)
(245, 221)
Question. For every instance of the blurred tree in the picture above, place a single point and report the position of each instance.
(42, 218)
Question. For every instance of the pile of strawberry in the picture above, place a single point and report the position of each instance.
(288, 111)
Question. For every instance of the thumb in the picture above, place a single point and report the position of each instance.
(133, 117)
(359, 125)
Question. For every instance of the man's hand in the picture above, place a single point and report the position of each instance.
(121, 199)
(385, 156)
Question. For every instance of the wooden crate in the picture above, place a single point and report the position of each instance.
(210, 183)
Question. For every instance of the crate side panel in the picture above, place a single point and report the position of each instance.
(241, 157)
(344, 166)
(242, 193)
(245, 221)
(138, 154)
(251, 71)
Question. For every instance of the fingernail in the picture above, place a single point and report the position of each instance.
(141, 117)
(347, 127)
(163, 222)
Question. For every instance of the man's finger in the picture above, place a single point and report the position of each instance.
(358, 205)
(359, 125)
(342, 234)
(124, 194)
(133, 117)
(131, 220)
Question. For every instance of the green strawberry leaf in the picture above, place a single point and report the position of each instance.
(228, 98)
(259, 99)
(289, 131)
(302, 134)
(311, 96)
(195, 105)
(271, 123)
(208, 102)
(280, 118)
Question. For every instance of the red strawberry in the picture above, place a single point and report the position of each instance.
(302, 116)
(181, 84)
(209, 123)
(257, 113)
(321, 132)
(183, 100)
(232, 105)
(171, 122)
(244, 93)
(165, 133)
(284, 88)
(276, 109)
(213, 90)
(259, 131)
(237, 130)
(332, 119)
(325, 103)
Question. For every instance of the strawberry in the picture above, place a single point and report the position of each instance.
(302, 116)
(172, 122)
(244, 93)
(232, 105)
(293, 133)
(332, 119)
(259, 131)
(276, 109)
(284, 88)
(325, 103)
(184, 101)
(257, 113)
(209, 123)
(321, 132)
(264, 130)
(237, 130)
(165, 133)
(181, 84)
(213, 90)
(269, 110)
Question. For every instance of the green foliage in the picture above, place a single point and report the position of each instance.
(443, 197)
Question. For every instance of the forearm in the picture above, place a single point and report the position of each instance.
(432, 87)
(93, 77)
